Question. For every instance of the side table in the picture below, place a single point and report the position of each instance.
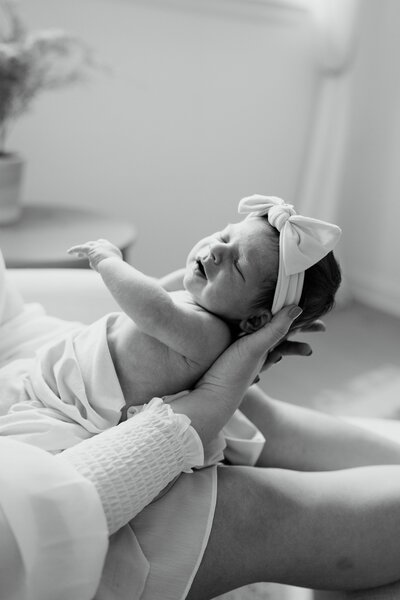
(42, 235)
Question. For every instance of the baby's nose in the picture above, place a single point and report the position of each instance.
(218, 251)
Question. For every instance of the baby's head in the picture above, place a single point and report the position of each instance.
(251, 269)
(227, 271)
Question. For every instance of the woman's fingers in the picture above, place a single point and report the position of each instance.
(286, 349)
(290, 348)
(316, 326)
(293, 348)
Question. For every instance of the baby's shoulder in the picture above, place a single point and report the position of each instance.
(184, 298)
(216, 331)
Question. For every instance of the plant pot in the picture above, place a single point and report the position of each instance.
(11, 178)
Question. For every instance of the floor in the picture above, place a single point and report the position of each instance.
(359, 352)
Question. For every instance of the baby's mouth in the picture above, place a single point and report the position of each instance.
(200, 268)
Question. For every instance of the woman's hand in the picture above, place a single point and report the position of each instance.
(220, 391)
(293, 348)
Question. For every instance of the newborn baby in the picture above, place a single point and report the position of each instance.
(162, 342)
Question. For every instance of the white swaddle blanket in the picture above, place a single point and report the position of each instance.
(68, 393)
(70, 390)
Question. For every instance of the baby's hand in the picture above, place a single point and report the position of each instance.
(95, 251)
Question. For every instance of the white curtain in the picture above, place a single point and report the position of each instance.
(336, 26)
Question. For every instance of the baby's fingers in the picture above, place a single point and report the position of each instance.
(81, 250)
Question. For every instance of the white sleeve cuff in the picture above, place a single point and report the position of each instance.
(192, 446)
(130, 464)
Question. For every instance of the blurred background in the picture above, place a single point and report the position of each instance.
(203, 102)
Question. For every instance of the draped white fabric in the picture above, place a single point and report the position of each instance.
(53, 531)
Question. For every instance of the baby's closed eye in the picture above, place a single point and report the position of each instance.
(238, 268)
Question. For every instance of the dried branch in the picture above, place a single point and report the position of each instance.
(34, 62)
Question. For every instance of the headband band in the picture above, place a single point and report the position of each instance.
(302, 243)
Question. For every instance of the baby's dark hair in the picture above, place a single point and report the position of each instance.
(321, 282)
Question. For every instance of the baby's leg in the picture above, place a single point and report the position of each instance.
(307, 440)
(332, 530)
(11, 302)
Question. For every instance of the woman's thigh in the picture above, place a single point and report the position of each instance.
(334, 530)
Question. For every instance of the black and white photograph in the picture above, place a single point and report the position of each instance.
(199, 300)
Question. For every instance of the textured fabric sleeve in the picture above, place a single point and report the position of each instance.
(131, 463)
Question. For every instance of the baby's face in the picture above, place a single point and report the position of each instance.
(224, 271)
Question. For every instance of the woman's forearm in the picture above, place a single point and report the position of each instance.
(130, 464)
(306, 440)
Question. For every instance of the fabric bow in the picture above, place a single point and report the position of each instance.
(303, 242)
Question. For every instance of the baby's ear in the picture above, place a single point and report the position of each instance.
(255, 322)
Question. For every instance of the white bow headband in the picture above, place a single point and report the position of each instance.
(302, 243)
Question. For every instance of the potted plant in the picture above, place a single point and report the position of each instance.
(30, 63)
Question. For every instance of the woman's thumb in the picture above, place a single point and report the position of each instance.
(274, 332)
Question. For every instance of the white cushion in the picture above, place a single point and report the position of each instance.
(74, 294)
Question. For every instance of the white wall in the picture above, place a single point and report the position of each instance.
(210, 100)
(371, 183)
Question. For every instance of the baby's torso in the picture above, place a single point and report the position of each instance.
(146, 367)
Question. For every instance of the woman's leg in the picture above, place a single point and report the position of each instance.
(332, 530)
(307, 440)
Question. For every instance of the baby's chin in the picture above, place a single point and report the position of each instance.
(191, 285)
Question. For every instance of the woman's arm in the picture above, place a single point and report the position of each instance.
(221, 389)
(131, 463)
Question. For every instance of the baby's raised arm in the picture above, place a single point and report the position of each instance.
(178, 325)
